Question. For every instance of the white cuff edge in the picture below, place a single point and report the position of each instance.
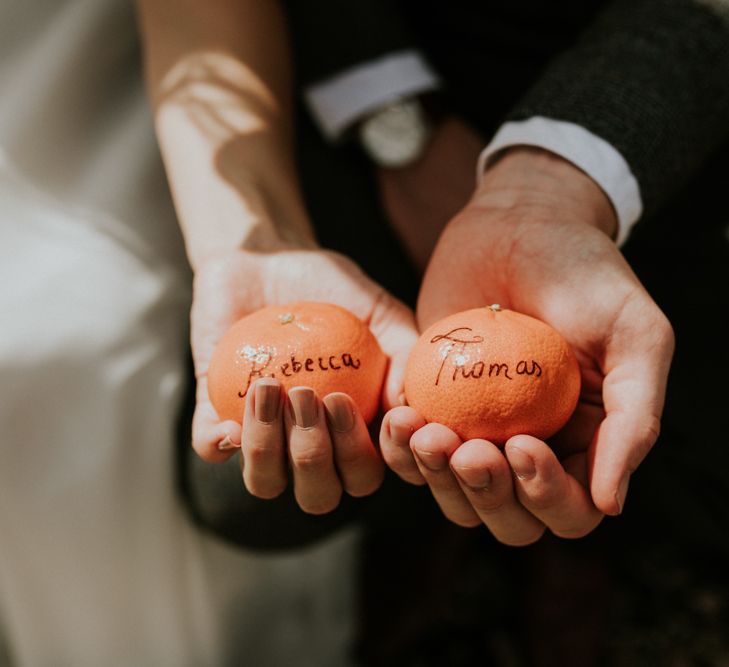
(592, 154)
(348, 96)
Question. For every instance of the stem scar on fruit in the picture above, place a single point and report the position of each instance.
(521, 377)
(321, 345)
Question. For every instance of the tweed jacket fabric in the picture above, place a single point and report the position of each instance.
(651, 77)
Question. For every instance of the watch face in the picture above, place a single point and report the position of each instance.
(396, 135)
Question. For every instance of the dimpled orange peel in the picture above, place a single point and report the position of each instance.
(306, 343)
(493, 373)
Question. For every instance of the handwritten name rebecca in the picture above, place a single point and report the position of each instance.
(261, 360)
(455, 352)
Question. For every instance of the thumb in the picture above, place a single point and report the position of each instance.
(633, 394)
(215, 308)
(393, 324)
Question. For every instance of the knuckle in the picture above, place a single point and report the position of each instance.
(321, 506)
(575, 532)
(666, 334)
(524, 539)
(651, 432)
(411, 476)
(464, 521)
(399, 460)
(256, 453)
(363, 488)
(350, 457)
(265, 490)
(646, 437)
(311, 459)
(364, 484)
(208, 451)
(544, 497)
(486, 502)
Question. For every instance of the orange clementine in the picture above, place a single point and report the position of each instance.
(318, 345)
(493, 373)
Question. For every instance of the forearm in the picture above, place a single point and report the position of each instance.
(218, 77)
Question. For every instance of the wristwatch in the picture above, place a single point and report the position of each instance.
(396, 135)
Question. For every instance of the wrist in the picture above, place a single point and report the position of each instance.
(534, 176)
(241, 192)
(241, 225)
(269, 256)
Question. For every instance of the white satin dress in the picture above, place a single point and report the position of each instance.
(99, 564)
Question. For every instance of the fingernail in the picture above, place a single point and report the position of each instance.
(622, 492)
(434, 461)
(340, 413)
(400, 433)
(226, 443)
(478, 480)
(267, 401)
(304, 406)
(521, 463)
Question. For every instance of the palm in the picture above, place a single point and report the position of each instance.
(535, 238)
(229, 287)
(548, 273)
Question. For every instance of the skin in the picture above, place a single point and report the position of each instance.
(536, 237)
(421, 198)
(321, 460)
(219, 80)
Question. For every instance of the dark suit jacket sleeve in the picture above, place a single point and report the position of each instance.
(217, 500)
(652, 78)
(330, 36)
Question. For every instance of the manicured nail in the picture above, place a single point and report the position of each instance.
(226, 444)
(401, 434)
(304, 406)
(267, 401)
(434, 461)
(340, 412)
(521, 463)
(622, 492)
(478, 480)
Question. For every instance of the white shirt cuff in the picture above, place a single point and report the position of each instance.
(345, 98)
(595, 156)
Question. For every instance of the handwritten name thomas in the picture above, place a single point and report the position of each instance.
(457, 363)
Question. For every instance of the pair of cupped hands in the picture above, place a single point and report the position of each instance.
(534, 237)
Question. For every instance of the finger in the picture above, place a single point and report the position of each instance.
(393, 324)
(263, 453)
(213, 441)
(432, 447)
(360, 467)
(316, 484)
(486, 480)
(633, 391)
(545, 489)
(210, 318)
(398, 426)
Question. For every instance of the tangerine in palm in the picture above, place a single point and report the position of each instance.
(493, 373)
(306, 343)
